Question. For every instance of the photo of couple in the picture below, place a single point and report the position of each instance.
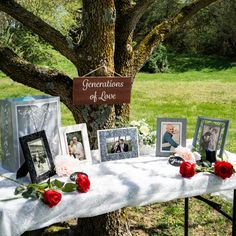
(170, 136)
(75, 145)
(210, 137)
(119, 144)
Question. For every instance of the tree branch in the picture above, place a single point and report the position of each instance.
(137, 12)
(50, 81)
(38, 26)
(157, 35)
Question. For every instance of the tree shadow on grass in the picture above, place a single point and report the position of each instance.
(182, 63)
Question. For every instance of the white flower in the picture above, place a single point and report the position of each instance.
(66, 165)
(144, 130)
(134, 123)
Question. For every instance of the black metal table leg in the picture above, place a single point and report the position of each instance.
(234, 214)
(186, 217)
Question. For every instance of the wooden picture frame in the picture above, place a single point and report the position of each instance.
(171, 132)
(210, 134)
(74, 141)
(115, 144)
(38, 156)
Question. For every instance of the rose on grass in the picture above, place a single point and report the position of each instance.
(83, 183)
(187, 169)
(51, 197)
(223, 169)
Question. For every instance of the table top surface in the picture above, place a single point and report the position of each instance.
(114, 185)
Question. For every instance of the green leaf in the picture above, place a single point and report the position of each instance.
(206, 164)
(19, 190)
(69, 187)
(28, 192)
(58, 184)
(43, 185)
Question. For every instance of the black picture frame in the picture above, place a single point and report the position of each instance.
(177, 123)
(108, 138)
(38, 156)
(208, 124)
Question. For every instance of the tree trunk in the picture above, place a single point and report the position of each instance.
(110, 224)
(99, 28)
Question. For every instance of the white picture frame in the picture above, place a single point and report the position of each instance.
(74, 141)
(109, 137)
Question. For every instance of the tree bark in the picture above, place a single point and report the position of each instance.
(110, 224)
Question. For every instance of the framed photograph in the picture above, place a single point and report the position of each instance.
(75, 142)
(210, 136)
(115, 144)
(171, 132)
(38, 156)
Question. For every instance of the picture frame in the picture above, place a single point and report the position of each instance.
(75, 142)
(116, 144)
(38, 156)
(210, 135)
(171, 132)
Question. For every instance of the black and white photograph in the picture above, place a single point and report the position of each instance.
(171, 133)
(38, 156)
(74, 142)
(210, 136)
(115, 144)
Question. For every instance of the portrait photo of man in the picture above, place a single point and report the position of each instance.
(170, 136)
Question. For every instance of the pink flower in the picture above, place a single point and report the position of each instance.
(66, 165)
(185, 153)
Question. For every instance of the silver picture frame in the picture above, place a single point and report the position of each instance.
(171, 132)
(210, 134)
(116, 144)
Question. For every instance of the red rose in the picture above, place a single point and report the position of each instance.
(187, 169)
(223, 169)
(52, 197)
(83, 183)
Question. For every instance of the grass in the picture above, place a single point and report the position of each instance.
(191, 90)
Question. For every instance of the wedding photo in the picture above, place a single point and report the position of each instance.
(39, 156)
(210, 137)
(75, 145)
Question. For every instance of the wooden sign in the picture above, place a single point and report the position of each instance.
(101, 90)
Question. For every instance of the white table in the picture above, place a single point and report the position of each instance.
(114, 185)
